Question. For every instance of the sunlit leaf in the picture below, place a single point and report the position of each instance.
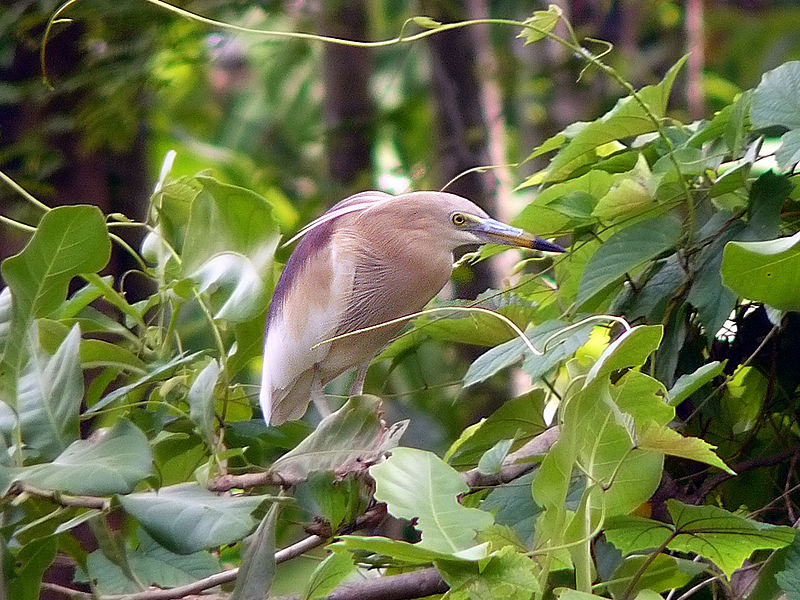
(722, 537)
(541, 23)
(764, 271)
(630, 349)
(627, 119)
(405, 552)
(446, 526)
(659, 438)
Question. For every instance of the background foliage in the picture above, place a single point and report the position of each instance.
(649, 451)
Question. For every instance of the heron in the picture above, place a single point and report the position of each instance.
(372, 258)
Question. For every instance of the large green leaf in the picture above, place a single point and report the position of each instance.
(49, 395)
(69, 240)
(188, 518)
(227, 218)
(625, 251)
(112, 462)
(446, 526)
(148, 565)
(627, 119)
(508, 574)
(520, 418)
(722, 537)
(765, 271)
(350, 439)
(258, 560)
(606, 453)
(643, 398)
(789, 577)
(776, 100)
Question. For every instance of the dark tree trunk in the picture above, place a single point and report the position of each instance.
(348, 109)
(462, 130)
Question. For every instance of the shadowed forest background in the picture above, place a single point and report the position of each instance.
(477, 110)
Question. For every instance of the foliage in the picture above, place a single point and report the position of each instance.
(661, 332)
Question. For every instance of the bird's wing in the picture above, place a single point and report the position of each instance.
(309, 314)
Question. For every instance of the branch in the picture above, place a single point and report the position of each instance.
(97, 502)
(746, 465)
(515, 464)
(195, 587)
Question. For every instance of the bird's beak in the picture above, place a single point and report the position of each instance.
(495, 232)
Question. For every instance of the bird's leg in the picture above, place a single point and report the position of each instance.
(318, 397)
(358, 383)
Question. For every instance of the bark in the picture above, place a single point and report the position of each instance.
(462, 141)
(348, 108)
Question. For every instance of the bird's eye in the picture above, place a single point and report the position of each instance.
(458, 219)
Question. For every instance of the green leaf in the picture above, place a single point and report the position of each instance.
(159, 372)
(446, 526)
(350, 439)
(69, 240)
(492, 460)
(630, 349)
(49, 395)
(789, 578)
(552, 211)
(688, 384)
(227, 218)
(187, 518)
(764, 271)
(31, 561)
(626, 250)
(404, 553)
(628, 195)
(330, 573)
(627, 119)
(508, 574)
(150, 565)
(236, 284)
(722, 537)
(643, 398)
(111, 462)
(776, 99)
(662, 574)
(559, 348)
(743, 399)
(789, 152)
(659, 438)
(520, 417)
(540, 24)
(512, 505)
(258, 560)
(606, 453)
(201, 401)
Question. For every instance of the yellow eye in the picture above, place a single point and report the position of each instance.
(458, 219)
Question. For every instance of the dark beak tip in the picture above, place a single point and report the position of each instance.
(545, 246)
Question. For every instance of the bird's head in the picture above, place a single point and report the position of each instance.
(461, 222)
